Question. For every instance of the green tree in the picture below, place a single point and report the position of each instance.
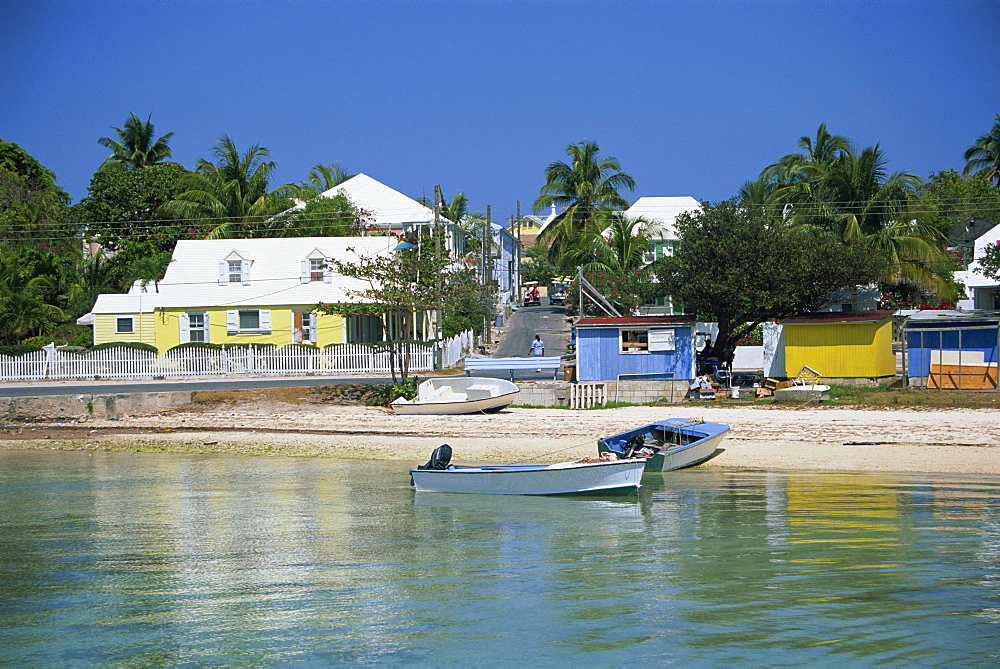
(231, 194)
(537, 267)
(989, 264)
(135, 147)
(848, 192)
(321, 179)
(122, 208)
(33, 209)
(955, 199)
(23, 313)
(581, 187)
(983, 157)
(740, 267)
(611, 252)
(324, 216)
(398, 288)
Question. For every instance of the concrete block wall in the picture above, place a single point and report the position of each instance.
(83, 407)
(557, 393)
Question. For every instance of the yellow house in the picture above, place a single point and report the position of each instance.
(245, 291)
(840, 344)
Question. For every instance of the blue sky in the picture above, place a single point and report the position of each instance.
(693, 97)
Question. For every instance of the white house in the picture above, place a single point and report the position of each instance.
(982, 292)
(246, 291)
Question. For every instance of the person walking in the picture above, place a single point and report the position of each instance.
(537, 348)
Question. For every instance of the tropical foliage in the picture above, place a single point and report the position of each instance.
(398, 290)
(983, 157)
(739, 266)
(135, 146)
(611, 252)
(231, 194)
(581, 188)
(837, 188)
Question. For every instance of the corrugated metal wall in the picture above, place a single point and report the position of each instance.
(840, 350)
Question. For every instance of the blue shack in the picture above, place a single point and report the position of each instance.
(953, 349)
(635, 347)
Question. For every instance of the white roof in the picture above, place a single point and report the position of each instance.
(390, 207)
(192, 278)
(662, 212)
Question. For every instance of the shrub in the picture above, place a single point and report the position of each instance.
(16, 350)
(134, 345)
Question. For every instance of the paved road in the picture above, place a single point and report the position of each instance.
(545, 320)
(38, 389)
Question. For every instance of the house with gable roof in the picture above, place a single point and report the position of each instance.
(983, 293)
(662, 213)
(261, 291)
(245, 291)
(400, 215)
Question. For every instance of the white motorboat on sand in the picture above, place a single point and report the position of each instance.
(458, 395)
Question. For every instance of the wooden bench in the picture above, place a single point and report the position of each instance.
(510, 364)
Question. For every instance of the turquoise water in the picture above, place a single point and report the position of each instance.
(129, 559)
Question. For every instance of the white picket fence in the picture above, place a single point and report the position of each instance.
(127, 363)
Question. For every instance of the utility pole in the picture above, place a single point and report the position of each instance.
(516, 287)
(439, 317)
(487, 270)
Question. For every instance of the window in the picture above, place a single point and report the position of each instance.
(317, 267)
(197, 330)
(364, 330)
(235, 271)
(248, 321)
(634, 341)
(303, 327)
(124, 325)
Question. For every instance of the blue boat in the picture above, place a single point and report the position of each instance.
(668, 444)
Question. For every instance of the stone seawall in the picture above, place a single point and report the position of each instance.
(53, 408)
(105, 406)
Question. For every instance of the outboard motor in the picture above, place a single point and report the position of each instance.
(634, 444)
(440, 458)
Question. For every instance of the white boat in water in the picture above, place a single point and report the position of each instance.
(604, 476)
(458, 395)
(668, 444)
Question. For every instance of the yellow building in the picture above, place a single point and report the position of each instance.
(246, 291)
(840, 345)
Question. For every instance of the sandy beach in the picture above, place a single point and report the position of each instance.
(843, 439)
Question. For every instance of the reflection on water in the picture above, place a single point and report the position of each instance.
(170, 559)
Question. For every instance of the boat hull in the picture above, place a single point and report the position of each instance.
(453, 396)
(488, 405)
(680, 443)
(563, 478)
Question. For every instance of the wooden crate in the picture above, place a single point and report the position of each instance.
(963, 377)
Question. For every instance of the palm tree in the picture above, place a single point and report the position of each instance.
(321, 179)
(231, 192)
(582, 187)
(983, 157)
(136, 147)
(849, 192)
(611, 250)
(24, 311)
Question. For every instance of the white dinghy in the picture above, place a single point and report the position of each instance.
(603, 476)
(458, 395)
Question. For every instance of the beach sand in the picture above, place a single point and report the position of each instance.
(815, 438)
